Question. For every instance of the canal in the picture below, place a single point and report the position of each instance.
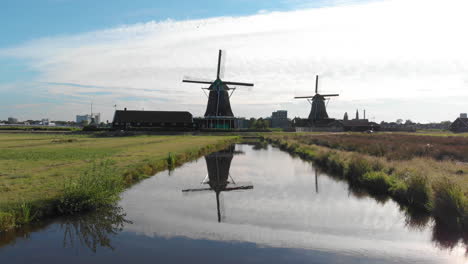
(245, 204)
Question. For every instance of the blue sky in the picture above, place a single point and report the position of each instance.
(23, 20)
(56, 56)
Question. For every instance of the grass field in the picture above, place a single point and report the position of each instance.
(428, 173)
(37, 171)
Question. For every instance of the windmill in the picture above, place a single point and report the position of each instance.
(218, 178)
(219, 106)
(318, 110)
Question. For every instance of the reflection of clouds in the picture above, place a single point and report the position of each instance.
(386, 49)
(282, 210)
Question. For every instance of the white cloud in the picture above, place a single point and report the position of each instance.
(377, 55)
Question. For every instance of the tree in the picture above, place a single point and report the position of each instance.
(252, 123)
(399, 121)
(409, 122)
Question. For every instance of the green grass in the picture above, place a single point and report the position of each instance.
(47, 175)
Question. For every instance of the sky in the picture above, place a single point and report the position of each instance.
(394, 58)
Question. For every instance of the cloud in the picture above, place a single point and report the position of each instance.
(388, 51)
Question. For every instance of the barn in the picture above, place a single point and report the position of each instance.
(126, 119)
(460, 124)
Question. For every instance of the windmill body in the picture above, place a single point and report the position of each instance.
(218, 100)
(218, 112)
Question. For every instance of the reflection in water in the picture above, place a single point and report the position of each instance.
(93, 229)
(316, 180)
(219, 164)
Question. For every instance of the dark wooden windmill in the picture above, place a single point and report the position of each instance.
(218, 178)
(319, 110)
(218, 110)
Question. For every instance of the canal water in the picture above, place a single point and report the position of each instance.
(245, 204)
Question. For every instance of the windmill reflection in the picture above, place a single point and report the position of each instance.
(219, 179)
(316, 181)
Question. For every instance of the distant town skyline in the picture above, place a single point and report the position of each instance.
(395, 58)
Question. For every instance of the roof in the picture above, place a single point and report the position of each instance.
(128, 116)
(463, 121)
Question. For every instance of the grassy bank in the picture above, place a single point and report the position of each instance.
(48, 175)
(418, 181)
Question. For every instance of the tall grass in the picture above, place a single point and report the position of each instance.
(97, 186)
(450, 200)
(393, 146)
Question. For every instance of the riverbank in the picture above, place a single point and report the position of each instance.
(43, 176)
(434, 182)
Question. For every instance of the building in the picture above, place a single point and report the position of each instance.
(279, 119)
(89, 118)
(460, 124)
(12, 120)
(125, 119)
(242, 123)
(46, 122)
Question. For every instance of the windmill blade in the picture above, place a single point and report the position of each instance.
(192, 81)
(303, 97)
(242, 187)
(316, 84)
(239, 83)
(221, 208)
(196, 190)
(221, 63)
(238, 184)
(330, 95)
(218, 69)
